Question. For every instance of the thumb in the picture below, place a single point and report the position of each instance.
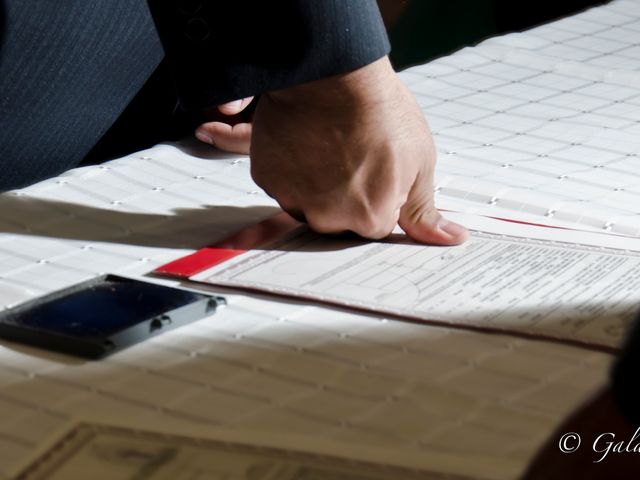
(420, 219)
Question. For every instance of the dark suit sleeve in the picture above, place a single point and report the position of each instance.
(223, 50)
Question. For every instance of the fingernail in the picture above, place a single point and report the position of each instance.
(451, 228)
(204, 137)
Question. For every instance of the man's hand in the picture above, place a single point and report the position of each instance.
(351, 152)
(347, 153)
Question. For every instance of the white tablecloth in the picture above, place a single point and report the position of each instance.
(270, 365)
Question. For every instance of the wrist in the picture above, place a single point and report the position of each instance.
(356, 89)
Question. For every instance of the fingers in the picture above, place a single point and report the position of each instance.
(232, 138)
(417, 216)
(420, 219)
(358, 219)
(235, 107)
(374, 225)
(235, 138)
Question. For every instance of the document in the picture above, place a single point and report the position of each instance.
(565, 284)
(106, 452)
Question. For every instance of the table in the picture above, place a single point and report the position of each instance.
(275, 366)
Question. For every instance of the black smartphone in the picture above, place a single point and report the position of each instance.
(103, 315)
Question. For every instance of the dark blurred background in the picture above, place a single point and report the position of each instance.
(421, 30)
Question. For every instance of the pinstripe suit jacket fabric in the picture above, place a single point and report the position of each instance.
(69, 69)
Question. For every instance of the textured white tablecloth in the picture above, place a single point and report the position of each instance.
(276, 366)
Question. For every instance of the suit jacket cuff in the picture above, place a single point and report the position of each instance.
(230, 49)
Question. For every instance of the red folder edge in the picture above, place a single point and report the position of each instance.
(197, 262)
(250, 238)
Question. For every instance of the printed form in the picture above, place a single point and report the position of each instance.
(564, 284)
(125, 453)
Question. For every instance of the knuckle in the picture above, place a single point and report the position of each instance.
(292, 208)
(205, 128)
(323, 222)
(286, 201)
(367, 225)
(428, 207)
(382, 232)
(366, 212)
(376, 224)
(420, 208)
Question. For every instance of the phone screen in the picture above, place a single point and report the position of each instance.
(103, 309)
